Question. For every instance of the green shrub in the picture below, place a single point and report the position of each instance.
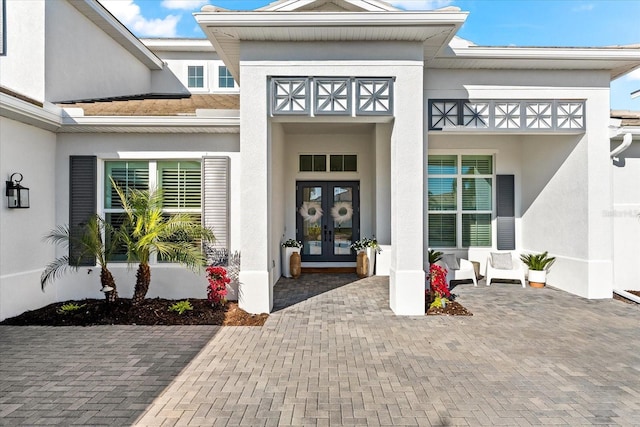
(434, 256)
(181, 306)
(69, 308)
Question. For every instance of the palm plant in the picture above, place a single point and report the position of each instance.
(538, 262)
(434, 256)
(90, 244)
(147, 231)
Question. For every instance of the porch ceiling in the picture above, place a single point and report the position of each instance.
(328, 128)
(226, 30)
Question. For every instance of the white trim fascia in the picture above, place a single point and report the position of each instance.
(169, 124)
(574, 53)
(102, 18)
(329, 19)
(179, 45)
(47, 117)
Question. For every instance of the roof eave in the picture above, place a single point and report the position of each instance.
(102, 18)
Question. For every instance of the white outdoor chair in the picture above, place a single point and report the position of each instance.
(464, 270)
(498, 268)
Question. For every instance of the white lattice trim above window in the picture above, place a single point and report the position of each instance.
(507, 115)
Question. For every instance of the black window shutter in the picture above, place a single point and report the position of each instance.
(506, 221)
(82, 203)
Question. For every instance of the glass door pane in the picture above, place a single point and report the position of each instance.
(342, 217)
(312, 216)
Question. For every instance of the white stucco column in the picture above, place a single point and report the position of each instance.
(407, 277)
(254, 293)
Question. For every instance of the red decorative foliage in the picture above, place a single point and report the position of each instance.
(218, 280)
(438, 281)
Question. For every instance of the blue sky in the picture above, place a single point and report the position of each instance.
(490, 23)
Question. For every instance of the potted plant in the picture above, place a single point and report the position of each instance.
(288, 247)
(538, 265)
(371, 248)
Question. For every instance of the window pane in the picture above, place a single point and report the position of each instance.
(180, 236)
(336, 163)
(442, 165)
(128, 176)
(118, 253)
(195, 76)
(181, 184)
(476, 194)
(477, 165)
(306, 163)
(320, 163)
(225, 80)
(350, 163)
(442, 194)
(476, 230)
(442, 230)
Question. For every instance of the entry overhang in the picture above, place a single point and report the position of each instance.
(226, 30)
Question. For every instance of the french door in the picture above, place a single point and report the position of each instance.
(327, 219)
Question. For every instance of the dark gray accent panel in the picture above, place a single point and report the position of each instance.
(505, 221)
(82, 202)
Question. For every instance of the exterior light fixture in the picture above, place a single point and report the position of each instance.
(17, 195)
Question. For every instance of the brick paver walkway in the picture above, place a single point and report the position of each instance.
(340, 357)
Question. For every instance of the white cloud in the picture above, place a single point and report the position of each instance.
(634, 75)
(586, 7)
(183, 4)
(130, 15)
(420, 4)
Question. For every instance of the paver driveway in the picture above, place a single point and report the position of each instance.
(526, 357)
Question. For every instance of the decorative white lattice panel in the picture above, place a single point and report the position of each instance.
(333, 96)
(570, 115)
(539, 115)
(507, 115)
(374, 96)
(290, 96)
(475, 114)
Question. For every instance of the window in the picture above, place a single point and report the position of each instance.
(337, 163)
(313, 163)
(180, 182)
(343, 163)
(460, 200)
(195, 76)
(225, 79)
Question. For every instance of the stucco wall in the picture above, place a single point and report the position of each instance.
(168, 280)
(565, 180)
(626, 218)
(84, 62)
(22, 68)
(23, 254)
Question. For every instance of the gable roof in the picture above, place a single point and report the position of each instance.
(329, 6)
(228, 29)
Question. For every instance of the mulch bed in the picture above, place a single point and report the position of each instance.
(628, 301)
(152, 311)
(453, 308)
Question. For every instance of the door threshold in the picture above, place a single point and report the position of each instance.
(329, 270)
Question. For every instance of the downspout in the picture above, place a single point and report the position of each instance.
(626, 142)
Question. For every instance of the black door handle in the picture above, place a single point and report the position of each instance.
(330, 236)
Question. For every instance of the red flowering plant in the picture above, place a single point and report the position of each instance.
(217, 289)
(438, 285)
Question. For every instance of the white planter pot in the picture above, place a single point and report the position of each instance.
(371, 254)
(286, 256)
(537, 276)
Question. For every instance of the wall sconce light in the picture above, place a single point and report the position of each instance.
(17, 195)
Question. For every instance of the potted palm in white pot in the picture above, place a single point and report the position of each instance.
(538, 265)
